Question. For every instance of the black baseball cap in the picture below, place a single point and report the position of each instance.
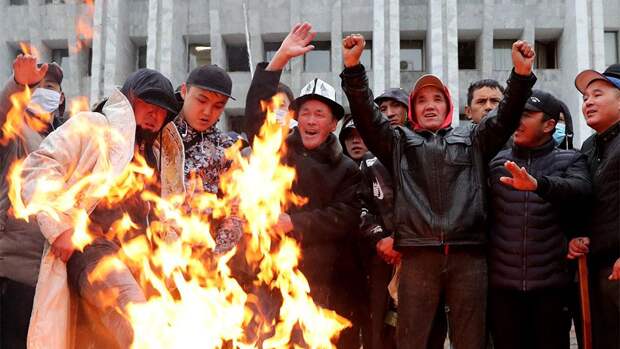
(213, 78)
(397, 94)
(586, 77)
(544, 102)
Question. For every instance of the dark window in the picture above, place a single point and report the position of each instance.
(18, 2)
(90, 62)
(502, 54)
(141, 57)
(198, 55)
(237, 56)
(270, 49)
(47, 2)
(366, 58)
(59, 54)
(611, 48)
(546, 54)
(320, 59)
(411, 55)
(467, 55)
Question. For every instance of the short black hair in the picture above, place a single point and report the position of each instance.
(475, 86)
(286, 90)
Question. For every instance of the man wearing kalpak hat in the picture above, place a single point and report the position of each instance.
(325, 226)
(440, 206)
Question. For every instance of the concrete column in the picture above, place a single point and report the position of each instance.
(529, 26)
(99, 48)
(256, 40)
(297, 64)
(598, 35)
(576, 57)
(484, 51)
(75, 80)
(119, 50)
(6, 56)
(379, 46)
(452, 54)
(393, 50)
(336, 39)
(434, 39)
(35, 30)
(218, 47)
(165, 44)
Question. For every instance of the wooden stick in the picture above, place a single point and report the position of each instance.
(584, 293)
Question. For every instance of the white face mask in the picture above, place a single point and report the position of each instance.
(281, 115)
(43, 100)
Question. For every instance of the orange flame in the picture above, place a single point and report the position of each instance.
(20, 121)
(84, 28)
(196, 299)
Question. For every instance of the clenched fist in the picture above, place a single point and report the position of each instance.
(523, 57)
(352, 48)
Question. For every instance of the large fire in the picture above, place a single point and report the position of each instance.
(193, 296)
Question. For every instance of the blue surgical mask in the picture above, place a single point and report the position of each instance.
(560, 133)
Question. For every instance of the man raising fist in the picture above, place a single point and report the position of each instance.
(440, 206)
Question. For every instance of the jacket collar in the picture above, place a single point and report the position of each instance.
(608, 135)
(544, 149)
(328, 152)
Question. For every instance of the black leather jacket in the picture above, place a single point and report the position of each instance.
(439, 178)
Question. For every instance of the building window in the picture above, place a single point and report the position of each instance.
(320, 59)
(411, 55)
(59, 54)
(18, 2)
(198, 55)
(366, 58)
(502, 54)
(611, 48)
(141, 57)
(546, 54)
(270, 49)
(237, 57)
(55, 2)
(467, 54)
(90, 62)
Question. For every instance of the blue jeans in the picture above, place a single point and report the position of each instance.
(457, 275)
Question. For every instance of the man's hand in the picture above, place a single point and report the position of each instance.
(285, 223)
(521, 180)
(523, 57)
(578, 247)
(296, 43)
(615, 272)
(26, 72)
(352, 48)
(63, 246)
(385, 250)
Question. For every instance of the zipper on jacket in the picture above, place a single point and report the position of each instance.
(527, 198)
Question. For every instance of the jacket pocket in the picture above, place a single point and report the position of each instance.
(458, 151)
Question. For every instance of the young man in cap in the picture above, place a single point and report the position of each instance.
(601, 108)
(326, 224)
(482, 97)
(205, 94)
(134, 120)
(21, 242)
(532, 185)
(440, 203)
(394, 104)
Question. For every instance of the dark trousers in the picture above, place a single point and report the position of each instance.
(15, 308)
(605, 307)
(376, 333)
(536, 319)
(457, 275)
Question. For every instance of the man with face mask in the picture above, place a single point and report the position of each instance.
(324, 226)
(135, 121)
(21, 243)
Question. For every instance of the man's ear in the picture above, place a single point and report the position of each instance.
(334, 124)
(183, 90)
(468, 112)
(549, 126)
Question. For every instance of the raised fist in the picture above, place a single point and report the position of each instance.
(352, 48)
(523, 57)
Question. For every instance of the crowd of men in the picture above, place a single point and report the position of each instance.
(414, 230)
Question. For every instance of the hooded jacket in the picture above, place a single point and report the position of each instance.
(440, 177)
